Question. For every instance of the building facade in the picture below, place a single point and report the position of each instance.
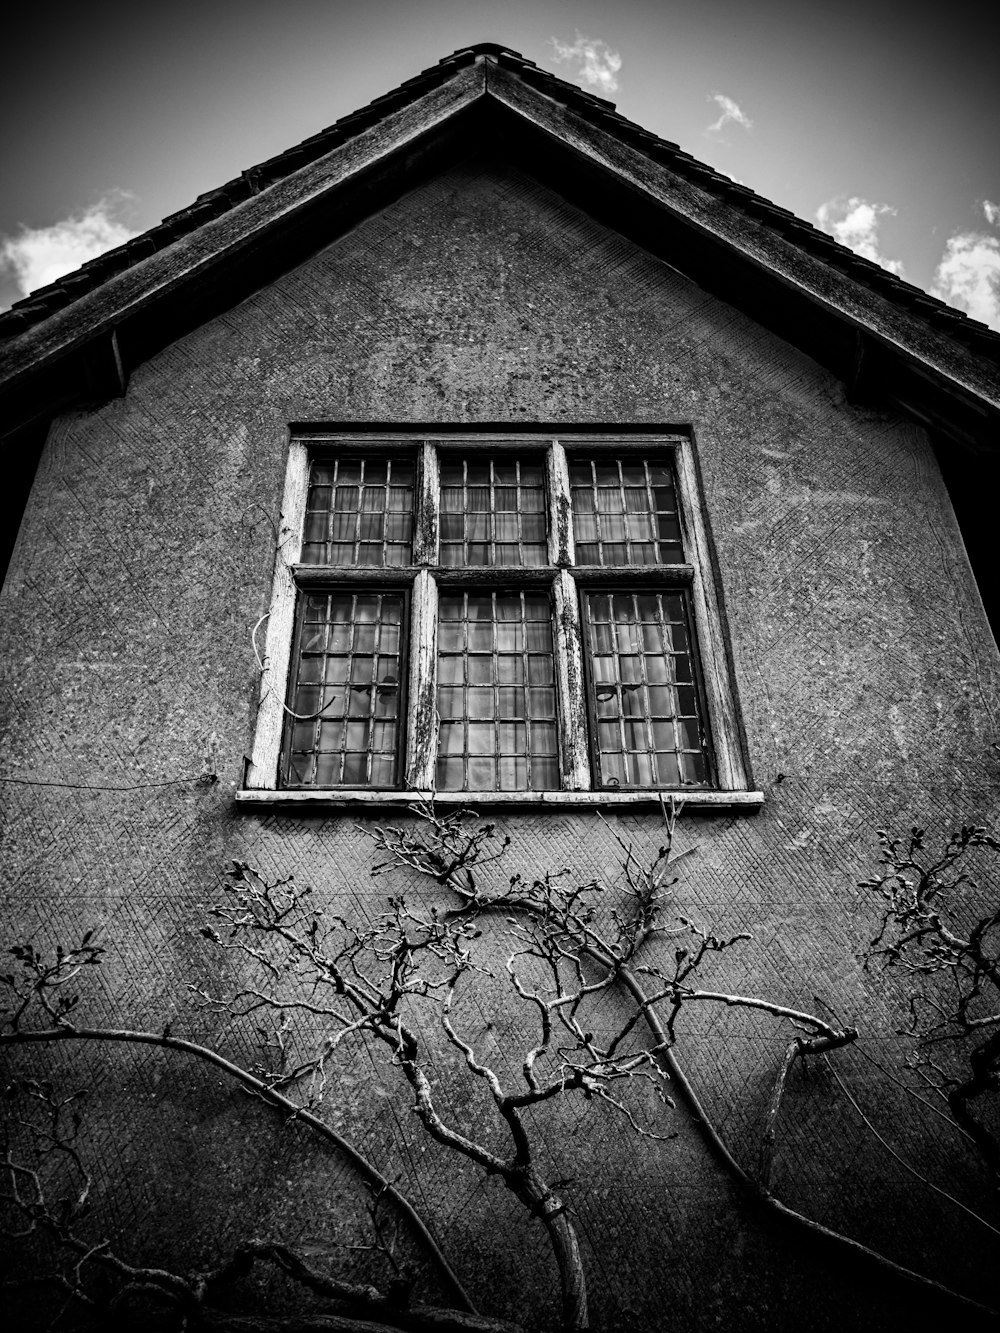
(525, 460)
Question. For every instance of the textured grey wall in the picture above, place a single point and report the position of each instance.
(865, 671)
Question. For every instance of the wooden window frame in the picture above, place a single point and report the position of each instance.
(731, 786)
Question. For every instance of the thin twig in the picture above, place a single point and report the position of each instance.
(902, 1160)
(275, 1099)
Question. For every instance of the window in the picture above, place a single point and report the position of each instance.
(515, 617)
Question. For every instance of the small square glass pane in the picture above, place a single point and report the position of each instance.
(451, 738)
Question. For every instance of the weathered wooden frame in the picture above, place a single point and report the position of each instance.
(732, 786)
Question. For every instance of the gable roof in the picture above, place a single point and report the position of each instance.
(77, 339)
(785, 261)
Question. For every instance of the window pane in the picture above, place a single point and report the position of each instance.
(355, 508)
(351, 643)
(364, 638)
(504, 695)
(513, 773)
(450, 774)
(449, 670)
(510, 703)
(451, 738)
(539, 669)
(451, 637)
(451, 701)
(624, 512)
(480, 637)
(694, 767)
(481, 738)
(327, 770)
(492, 512)
(482, 774)
(512, 737)
(480, 702)
(479, 669)
(687, 733)
(648, 719)
(386, 702)
(382, 770)
(541, 702)
(388, 641)
(510, 638)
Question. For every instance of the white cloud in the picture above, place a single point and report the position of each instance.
(730, 112)
(40, 255)
(992, 212)
(855, 222)
(968, 276)
(596, 64)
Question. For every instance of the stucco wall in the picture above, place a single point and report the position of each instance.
(865, 672)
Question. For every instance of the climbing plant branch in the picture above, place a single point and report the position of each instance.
(38, 987)
(553, 919)
(931, 931)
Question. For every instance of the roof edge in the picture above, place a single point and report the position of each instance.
(250, 216)
(772, 239)
(887, 316)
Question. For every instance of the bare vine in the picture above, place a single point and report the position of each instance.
(315, 986)
(560, 925)
(931, 930)
(39, 1152)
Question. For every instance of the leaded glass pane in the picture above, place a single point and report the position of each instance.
(648, 719)
(345, 691)
(496, 693)
(359, 511)
(624, 512)
(493, 512)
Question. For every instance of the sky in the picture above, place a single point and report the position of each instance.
(878, 120)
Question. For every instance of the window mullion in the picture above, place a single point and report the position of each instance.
(262, 771)
(421, 734)
(571, 693)
(518, 508)
(721, 722)
(626, 535)
(561, 550)
(426, 525)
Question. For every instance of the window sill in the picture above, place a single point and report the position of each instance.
(365, 799)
